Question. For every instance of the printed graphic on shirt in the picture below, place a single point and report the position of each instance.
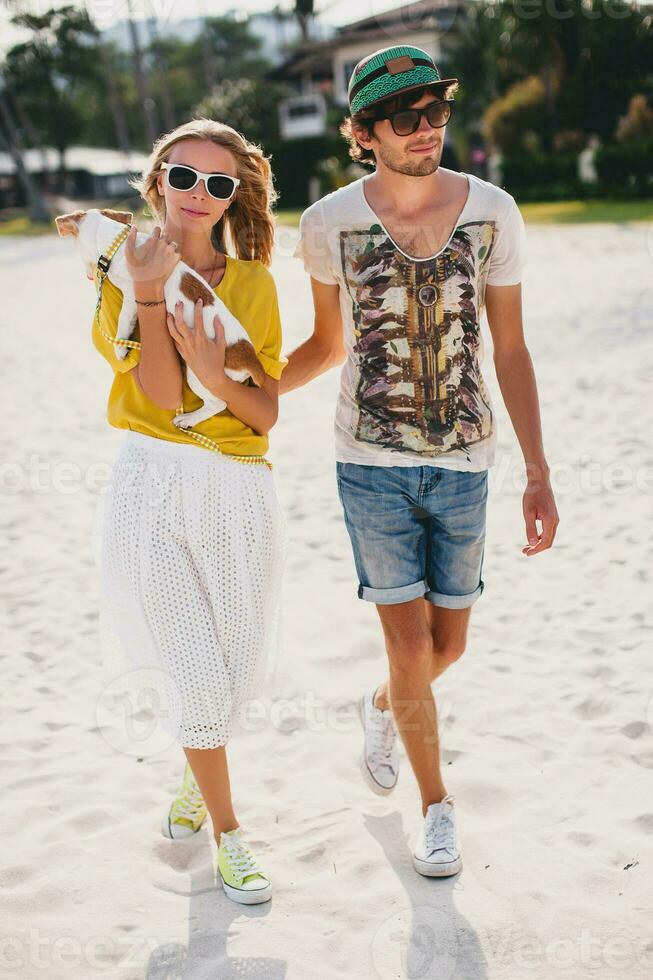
(418, 385)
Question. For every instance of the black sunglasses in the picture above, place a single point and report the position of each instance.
(407, 121)
(183, 178)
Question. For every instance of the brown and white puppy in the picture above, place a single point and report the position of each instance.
(94, 231)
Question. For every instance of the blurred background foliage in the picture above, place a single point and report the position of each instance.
(537, 90)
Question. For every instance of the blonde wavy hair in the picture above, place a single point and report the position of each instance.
(248, 220)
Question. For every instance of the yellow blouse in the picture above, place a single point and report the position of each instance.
(248, 290)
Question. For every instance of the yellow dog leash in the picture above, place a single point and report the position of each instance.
(102, 269)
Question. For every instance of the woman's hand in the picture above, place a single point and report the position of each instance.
(151, 263)
(203, 356)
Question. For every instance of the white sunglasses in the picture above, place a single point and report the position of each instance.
(181, 177)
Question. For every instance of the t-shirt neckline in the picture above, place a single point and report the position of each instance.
(416, 258)
(228, 260)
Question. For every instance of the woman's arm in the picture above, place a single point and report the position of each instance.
(256, 407)
(159, 371)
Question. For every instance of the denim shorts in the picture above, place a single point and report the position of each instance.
(415, 531)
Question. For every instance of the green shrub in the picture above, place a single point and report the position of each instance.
(624, 169)
(295, 161)
(541, 176)
(517, 118)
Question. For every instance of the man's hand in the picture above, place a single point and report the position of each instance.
(539, 505)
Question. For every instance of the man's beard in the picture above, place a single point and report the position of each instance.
(413, 168)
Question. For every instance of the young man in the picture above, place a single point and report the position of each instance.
(401, 262)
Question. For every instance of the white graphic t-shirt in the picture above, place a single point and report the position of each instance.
(411, 388)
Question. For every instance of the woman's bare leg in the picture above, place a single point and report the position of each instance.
(211, 771)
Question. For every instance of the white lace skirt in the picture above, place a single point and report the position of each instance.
(190, 548)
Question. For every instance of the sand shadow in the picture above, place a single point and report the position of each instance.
(427, 938)
(210, 917)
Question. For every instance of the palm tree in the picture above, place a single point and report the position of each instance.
(147, 103)
(167, 105)
(113, 92)
(304, 11)
(208, 54)
(37, 208)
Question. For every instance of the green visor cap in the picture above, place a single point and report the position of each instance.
(389, 71)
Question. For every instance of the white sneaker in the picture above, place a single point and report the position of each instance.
(379, 760)
(436, 852)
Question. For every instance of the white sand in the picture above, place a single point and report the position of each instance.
(545, 721)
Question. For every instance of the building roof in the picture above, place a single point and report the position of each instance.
(95, 160)
(379, 29)
(421, 14)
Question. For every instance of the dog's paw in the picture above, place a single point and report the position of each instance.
(188, 419)
(183, 421)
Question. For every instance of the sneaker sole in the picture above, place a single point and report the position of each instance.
(244, 896)
(437, 870)
(362, 761)
(166, 831)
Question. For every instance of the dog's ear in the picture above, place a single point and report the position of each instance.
(126, 217)
(68, 224)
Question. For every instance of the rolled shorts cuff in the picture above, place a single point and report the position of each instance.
(386, 597)
(455, 601)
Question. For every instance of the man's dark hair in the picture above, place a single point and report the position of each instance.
(366, 118)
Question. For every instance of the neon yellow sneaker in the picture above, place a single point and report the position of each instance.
(187, 812)
(241, 875)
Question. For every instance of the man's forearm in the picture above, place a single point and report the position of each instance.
(516, 378)
(159, 369)
(307, 362)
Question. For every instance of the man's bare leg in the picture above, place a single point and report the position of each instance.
(422, 640)
(449, 631)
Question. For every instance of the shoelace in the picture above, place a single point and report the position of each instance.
(439, 832)
(240, 858)
(189, 801)
(382, 736)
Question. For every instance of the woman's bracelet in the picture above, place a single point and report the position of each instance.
(150, 302)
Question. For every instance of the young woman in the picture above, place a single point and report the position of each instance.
(190, 533)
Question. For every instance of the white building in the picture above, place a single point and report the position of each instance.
(321, 69)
